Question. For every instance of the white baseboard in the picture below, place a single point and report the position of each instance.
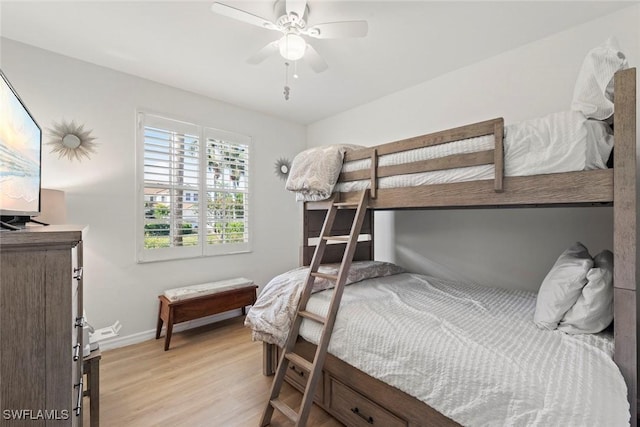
(150, 334)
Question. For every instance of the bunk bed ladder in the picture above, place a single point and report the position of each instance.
(315, 368)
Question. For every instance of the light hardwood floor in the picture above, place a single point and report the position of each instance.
(211, 376)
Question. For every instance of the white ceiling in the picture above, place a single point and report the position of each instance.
(183, 44)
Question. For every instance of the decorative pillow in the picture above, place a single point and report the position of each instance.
(315, 171)
(593, 92)
(562, 286)
(593, 311)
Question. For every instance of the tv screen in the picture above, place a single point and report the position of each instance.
(20, 157)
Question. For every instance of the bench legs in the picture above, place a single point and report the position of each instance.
(159, 327)
(165, 313)
(167, 338)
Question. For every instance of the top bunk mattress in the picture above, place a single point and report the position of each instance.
(559, 142)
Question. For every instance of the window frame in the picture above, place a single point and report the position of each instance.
(146, 118)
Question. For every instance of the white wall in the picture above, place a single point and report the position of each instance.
(507, 248)
(101, 191)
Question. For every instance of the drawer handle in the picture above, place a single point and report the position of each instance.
(358, 413)
(77, 273)
(293, 368)
(78, 408)
(76, 352)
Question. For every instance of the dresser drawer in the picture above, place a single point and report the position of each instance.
(299, 377)
(356, 410)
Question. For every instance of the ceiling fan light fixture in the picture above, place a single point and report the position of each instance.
(292, 47)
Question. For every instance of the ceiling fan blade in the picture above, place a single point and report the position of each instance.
(297, 6)
(241, 15)
(315, 61)
(263, 53)
(337, 30)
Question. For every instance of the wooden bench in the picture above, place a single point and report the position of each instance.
(194, 302)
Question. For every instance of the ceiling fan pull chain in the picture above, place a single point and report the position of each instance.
(287, 89)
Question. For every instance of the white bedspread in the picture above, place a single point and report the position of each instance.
(271, 315)
(559, 142)
(474, 354)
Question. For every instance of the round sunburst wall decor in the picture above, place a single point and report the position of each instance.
(282, 168)
(71, 141)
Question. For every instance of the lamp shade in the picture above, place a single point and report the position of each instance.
(292, 47)
(53, 209)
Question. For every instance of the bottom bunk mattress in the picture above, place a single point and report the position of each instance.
(473, 353)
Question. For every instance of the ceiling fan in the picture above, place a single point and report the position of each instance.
(291, 21)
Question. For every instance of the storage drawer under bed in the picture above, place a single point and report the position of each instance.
(299, 377)
(355, 410)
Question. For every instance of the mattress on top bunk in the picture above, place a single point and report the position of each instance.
(473, 353)
(559, 142)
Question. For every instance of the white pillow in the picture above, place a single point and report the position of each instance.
(593, 311)
(593, 92)
(562, 286)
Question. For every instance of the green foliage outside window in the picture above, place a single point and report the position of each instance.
(157, 235)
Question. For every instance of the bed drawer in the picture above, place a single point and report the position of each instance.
(298, 378)
(356, 410)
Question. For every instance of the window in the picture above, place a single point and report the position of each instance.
(177, 163)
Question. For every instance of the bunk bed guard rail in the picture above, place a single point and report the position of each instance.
(495, 156)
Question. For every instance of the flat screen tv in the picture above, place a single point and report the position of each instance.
(20, 159)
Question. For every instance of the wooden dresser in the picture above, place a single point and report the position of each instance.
(41, 326)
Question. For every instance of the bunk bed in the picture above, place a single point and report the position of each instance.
(356, 398)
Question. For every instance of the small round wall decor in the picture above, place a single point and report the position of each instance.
(282, 167)
(71, 141)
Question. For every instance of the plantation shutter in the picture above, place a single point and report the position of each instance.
(227, 190)
(193, 190)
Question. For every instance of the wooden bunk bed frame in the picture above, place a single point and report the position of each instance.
(358, 399)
